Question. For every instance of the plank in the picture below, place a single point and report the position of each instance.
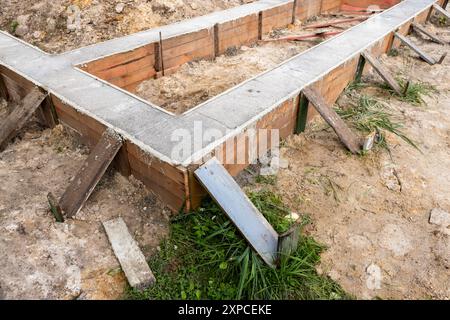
(350, 140)
(418, 28)
(238, 207)
(19, 116)
(130, 257)
(441, 10)
(415, 48)
(383, 72)
(90, 173)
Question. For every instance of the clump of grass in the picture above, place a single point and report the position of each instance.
(369, 115)
(393, 52)
(271, 179)
(415, 92)
(14, 24)
(205, 257)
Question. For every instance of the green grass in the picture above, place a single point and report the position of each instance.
(369, 115)
(14, 24)
(415, 92)
(205, 257)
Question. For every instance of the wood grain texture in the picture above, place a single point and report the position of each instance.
(238, 207)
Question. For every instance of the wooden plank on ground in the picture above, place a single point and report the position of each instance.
(90, 173)
(350, 140)
(415, 48)
(418, 28)
(130, 257)
(20, 115)
(383, 72)
(238, 207)
(441, 10)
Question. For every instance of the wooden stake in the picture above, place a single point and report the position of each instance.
(303, 106)
(161, 56)
(418, 28)
(410, 44)
(20, 115)
(382, 71)
(90, 173)
(360, 69)
(348, 138)
(3, 89)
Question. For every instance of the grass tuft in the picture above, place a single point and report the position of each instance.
(205, 257)
(369, 115)
(415, 92)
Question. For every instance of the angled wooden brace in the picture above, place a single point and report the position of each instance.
(348, 138)
(441, 10)
(383, 72)
(88, 176)
(20, 115)
(420, 29)
(422, 54)
(241, 211)
(3, 90)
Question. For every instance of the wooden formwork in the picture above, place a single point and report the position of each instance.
(175, 183)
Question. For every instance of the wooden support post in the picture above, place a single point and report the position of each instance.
(419, 29)
(260, 22)
(90, 173)
(445, 4)
(350, 140)
(20, 115)
(294, 11)
(3, 89)
(302, 115)
(216, 40)
(442, 10)
(161, 56)
(410, 44)
(47, 113)
(288, 241)
(130, 257)
(238, 207)
(360, 69)
(383, 72)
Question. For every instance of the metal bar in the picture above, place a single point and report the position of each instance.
(348, 138)
(302, 114)
(360, 68)
(382, 71)
(410, 44)
(238, 207)
(419, 28)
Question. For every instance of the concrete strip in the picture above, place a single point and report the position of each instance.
(129, 255)
(231, 112)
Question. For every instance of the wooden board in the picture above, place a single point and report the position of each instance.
(130, 257)
(238, 207)
(415, 48)
(383, 72)
(350, 140)
(418, 28)
(3, 90)
(90, 173)
(20, 115)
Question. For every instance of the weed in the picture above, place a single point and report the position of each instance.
(442, 21)
(272, 180)
(205, 257)
(415, 92)
(14, 24)
(369, 115)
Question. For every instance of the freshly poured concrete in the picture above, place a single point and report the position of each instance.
(150, 127)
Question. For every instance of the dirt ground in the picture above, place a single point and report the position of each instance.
(373, 212)
(60, 25)
(198, 81)
(42, 259)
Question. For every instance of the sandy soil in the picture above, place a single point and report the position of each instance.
(199, 81)
(42, 259)
(61, 25)
(373, 212)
